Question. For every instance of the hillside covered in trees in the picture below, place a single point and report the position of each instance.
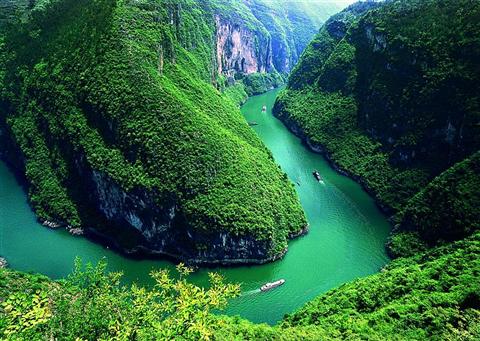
(432, 295)
(396, 104)
(260, 41)
(388, 91)
(108, 109)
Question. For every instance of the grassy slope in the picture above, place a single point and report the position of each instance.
(115, 83)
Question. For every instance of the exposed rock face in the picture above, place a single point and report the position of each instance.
(240, 50)
(269, 36)
(163, 230)
(159, 229)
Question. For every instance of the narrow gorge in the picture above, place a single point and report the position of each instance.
(239, 170)
(79, 139)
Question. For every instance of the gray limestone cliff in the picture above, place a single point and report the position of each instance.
(269, 36)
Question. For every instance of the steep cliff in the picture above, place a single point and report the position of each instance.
(394, 103)
(241, 51)
(262, 40)
(110, 113)
(433, 294)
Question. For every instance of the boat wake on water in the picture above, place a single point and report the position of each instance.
(265, 287)
(319, 178)
(272, 285)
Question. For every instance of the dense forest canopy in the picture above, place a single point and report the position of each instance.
(109, 103)
(388, 91)
(396, 104)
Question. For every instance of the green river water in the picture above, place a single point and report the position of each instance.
(346, 238)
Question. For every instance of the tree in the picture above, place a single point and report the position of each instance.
(92, 304)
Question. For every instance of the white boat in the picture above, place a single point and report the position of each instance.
(317, 176)
(270, 286)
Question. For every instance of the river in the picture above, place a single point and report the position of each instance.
(346, 238)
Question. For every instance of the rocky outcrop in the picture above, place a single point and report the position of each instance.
(240, 50)
(267, 38)
(160, 229)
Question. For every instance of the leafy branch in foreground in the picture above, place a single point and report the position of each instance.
(93, 304)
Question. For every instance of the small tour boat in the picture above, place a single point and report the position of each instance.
(252, 123)
(317, 176)
(270, 286)
(264, 109)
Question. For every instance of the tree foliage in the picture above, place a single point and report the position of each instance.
(93, 305)
(123, 88)
(389, 90)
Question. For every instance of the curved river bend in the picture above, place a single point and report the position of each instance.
(346, 238)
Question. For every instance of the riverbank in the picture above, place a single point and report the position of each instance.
(298, 131)
(239, 94)
(140, 252)
(345, 240)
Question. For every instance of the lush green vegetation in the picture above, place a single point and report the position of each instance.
(376, 91)
(336, 130)
(123, 88)
(306, 72)
(447, 208)
(92, 305)
(289, 26)
(258, 83)
(236, 93)
(395, 104)
(11, 10)
(432, 295)
(249, 85)
(284, 27)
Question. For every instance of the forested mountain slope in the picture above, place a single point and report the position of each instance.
(431, 292)
(11, 10)
(107, 108)
(392, 97)
(259, 41)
